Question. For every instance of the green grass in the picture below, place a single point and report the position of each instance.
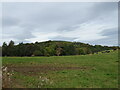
(101, 71)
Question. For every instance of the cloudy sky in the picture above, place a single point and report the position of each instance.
(88, 22)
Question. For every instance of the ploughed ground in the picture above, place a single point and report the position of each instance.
(42, 69)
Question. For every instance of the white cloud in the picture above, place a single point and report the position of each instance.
(88, 31)
(42, 36)
(84, 22)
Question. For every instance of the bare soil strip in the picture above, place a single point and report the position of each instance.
(42, 69)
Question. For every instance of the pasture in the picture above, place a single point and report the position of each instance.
(79, 71)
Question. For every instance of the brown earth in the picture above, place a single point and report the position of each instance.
(33, 70)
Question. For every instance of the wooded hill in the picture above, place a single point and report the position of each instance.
(51, 48)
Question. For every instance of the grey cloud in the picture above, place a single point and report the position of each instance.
(64, 13)
(67, 28)
(52, 17)
(110, 41)
(19, 34)
(105, 8)
(9, 21)
(23, 36)
(62, 38)
(110, 32)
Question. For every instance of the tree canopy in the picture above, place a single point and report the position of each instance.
(51, 48)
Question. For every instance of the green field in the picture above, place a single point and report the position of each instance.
(80, 71)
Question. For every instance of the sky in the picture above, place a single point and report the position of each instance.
(87, 22)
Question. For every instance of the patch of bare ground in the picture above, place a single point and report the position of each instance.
(33, 70)
(8, 71)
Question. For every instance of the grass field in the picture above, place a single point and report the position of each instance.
(80, 71)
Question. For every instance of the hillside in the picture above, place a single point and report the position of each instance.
(79, 71)
(51, 48)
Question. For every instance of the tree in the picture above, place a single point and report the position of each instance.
(4, 49)
(51, 48)
(59, 51)
(68, 49)
(37, 53)
(0, 51)
(11, 49)
(11, 44)
(80, 51)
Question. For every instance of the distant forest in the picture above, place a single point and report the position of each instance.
(52, 48)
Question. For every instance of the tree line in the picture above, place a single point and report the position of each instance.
(51, 48)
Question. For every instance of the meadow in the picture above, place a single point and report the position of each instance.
(77, 71)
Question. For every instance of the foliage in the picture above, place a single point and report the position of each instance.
(51, 48)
